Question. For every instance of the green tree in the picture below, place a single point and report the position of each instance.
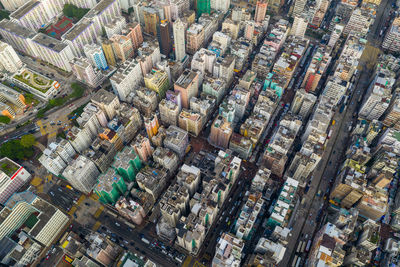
(68, 10)
(4, 15)
(28, 140)
(4, 119)
(15, 151)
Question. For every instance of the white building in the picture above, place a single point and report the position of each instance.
(220, 5)
(12, 177)
(12, 5)
(299, 26)
(392, 39)
(9, 60)
(86, 73)
(82, 174)
(203, 61)
(115, 26)
(179, 39)
(126, 79)
(79, 138)
(82, 33)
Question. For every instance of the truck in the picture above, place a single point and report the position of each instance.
(329, 134)
(145, 241)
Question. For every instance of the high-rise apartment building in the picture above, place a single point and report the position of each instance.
(378, 96)
(108, 52)
(82, 174)
(169, 112)
(220, 5)
(151, 125)
(142, 147)
(299, 26)
(96, 56)
(179, 39)
(188, 85)
(157, 80)
(151, 20)
(126, 79)
(9, 60)
(134, 31)
(194, 38)
(85, 72)
(12, 177)
(165, 38)
(261, 10)
(392, 38)
(190, 121)
(122, 47)
(106, 101)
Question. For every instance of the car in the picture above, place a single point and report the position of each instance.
(47, 257)
(330, 162)
(117, 224)
(132, 243)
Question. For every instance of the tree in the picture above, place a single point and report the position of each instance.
(28, 140)
(15, 151)
(4, 119)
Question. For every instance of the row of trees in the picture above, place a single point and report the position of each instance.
(77, 92)
(18, 149)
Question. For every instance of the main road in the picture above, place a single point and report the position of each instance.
(325, 174)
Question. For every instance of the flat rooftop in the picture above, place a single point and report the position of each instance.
(22, 11)
(16, 29)
(49, 42)
(76, 30)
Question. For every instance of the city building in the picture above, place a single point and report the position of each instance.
(126, 79)
(392, 38)
(194, 37)
(165, 40)
(108, 50)
(179, 29)
(188, 86)
(191, 121)
(378, 96)
(177, 140)
(82, 174)
(203, 6)
(157, 80)
(142, 147)
(96, 56)
(42, 221)
(299, 26)
(169, 112)
(115, 26)
(122, 47)
(261, 10)
(110, 187)
(9, 60)
(228, 251)
(86, 73)
(151, 20)
(127, 163)
(221, 132)
(106, 101)
(12, 177)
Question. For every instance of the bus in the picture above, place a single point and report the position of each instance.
(295, 261)
(303, 247)
(308, 245)
(299, 247)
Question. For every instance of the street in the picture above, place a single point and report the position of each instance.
(324, 176)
